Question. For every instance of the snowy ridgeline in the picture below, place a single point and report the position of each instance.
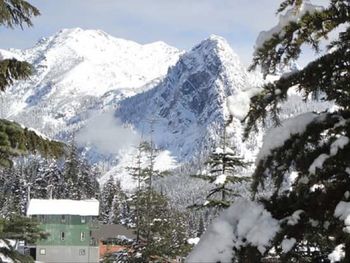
(188, 101)
(77, 88)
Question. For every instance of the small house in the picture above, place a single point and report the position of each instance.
(70, 224)
(113, 238)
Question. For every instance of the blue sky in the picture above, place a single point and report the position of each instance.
(180, 23)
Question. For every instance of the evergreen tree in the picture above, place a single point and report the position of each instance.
(51, 170)
(71, 174)
(162, 229)
(14, 193)
(144, 174)
(87, 180)
(15, 140)
(18, 228)
(80, 178)
(201, 227)
(111, 199)
(44, 177)
(138, 173)
(224, 165)
(314, 210)
(15, 13)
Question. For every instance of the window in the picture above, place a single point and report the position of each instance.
(83, 220)
(63, 219)
(82, 236)
(62, 236)
(81, 252)
(42, 251)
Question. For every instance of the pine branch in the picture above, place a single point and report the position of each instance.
(287, 3)
(202, 176)
(335, 83)
(299, 152)
(309, 29)
(12, 69)
(17, 13)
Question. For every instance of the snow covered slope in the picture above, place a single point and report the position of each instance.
(82, 74)
(188, 107)
(74, 68)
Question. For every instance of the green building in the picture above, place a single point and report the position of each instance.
(70, 224)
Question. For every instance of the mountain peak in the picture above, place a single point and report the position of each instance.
(192, 97)
(213, 52)
(75, 67)
(214, 43)
(218, 40)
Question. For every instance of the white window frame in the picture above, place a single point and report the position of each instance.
(83, 219)
(63, 235)
(82, 236)
(42, 251)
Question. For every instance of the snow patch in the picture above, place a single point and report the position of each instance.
(287, 244)
(339, 143)
(338, 254)
(4, 54)
(63, 207)
(221, 179)
(294, 218)
(244, 222)
(193, 241)
(342, 211)
(317, 187)
(165, 161)
(238, 105)
(4, 258)
(292, 177)
(276, 137)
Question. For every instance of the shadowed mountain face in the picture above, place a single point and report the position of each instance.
(189, 105)
(92, 84)
(82, 74)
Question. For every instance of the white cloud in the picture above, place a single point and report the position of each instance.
(107, 133)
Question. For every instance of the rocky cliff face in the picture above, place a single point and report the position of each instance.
(188, 107)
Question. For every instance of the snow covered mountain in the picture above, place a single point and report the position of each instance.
(189, 106)
(83, 75)
(73, 69)
(80, 74)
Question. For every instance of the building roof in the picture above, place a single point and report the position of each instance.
(63, 207)
(113, 231)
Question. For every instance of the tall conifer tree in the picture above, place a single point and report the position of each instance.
(224, 165)
(314, 210)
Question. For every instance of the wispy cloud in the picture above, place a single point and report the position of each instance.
(107, 134)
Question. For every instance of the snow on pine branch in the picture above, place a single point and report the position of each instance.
(245, 222)
(5, 245)
(339, 143)
(292, 15)
(338, 254)
(277, 136)
(342, 211)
